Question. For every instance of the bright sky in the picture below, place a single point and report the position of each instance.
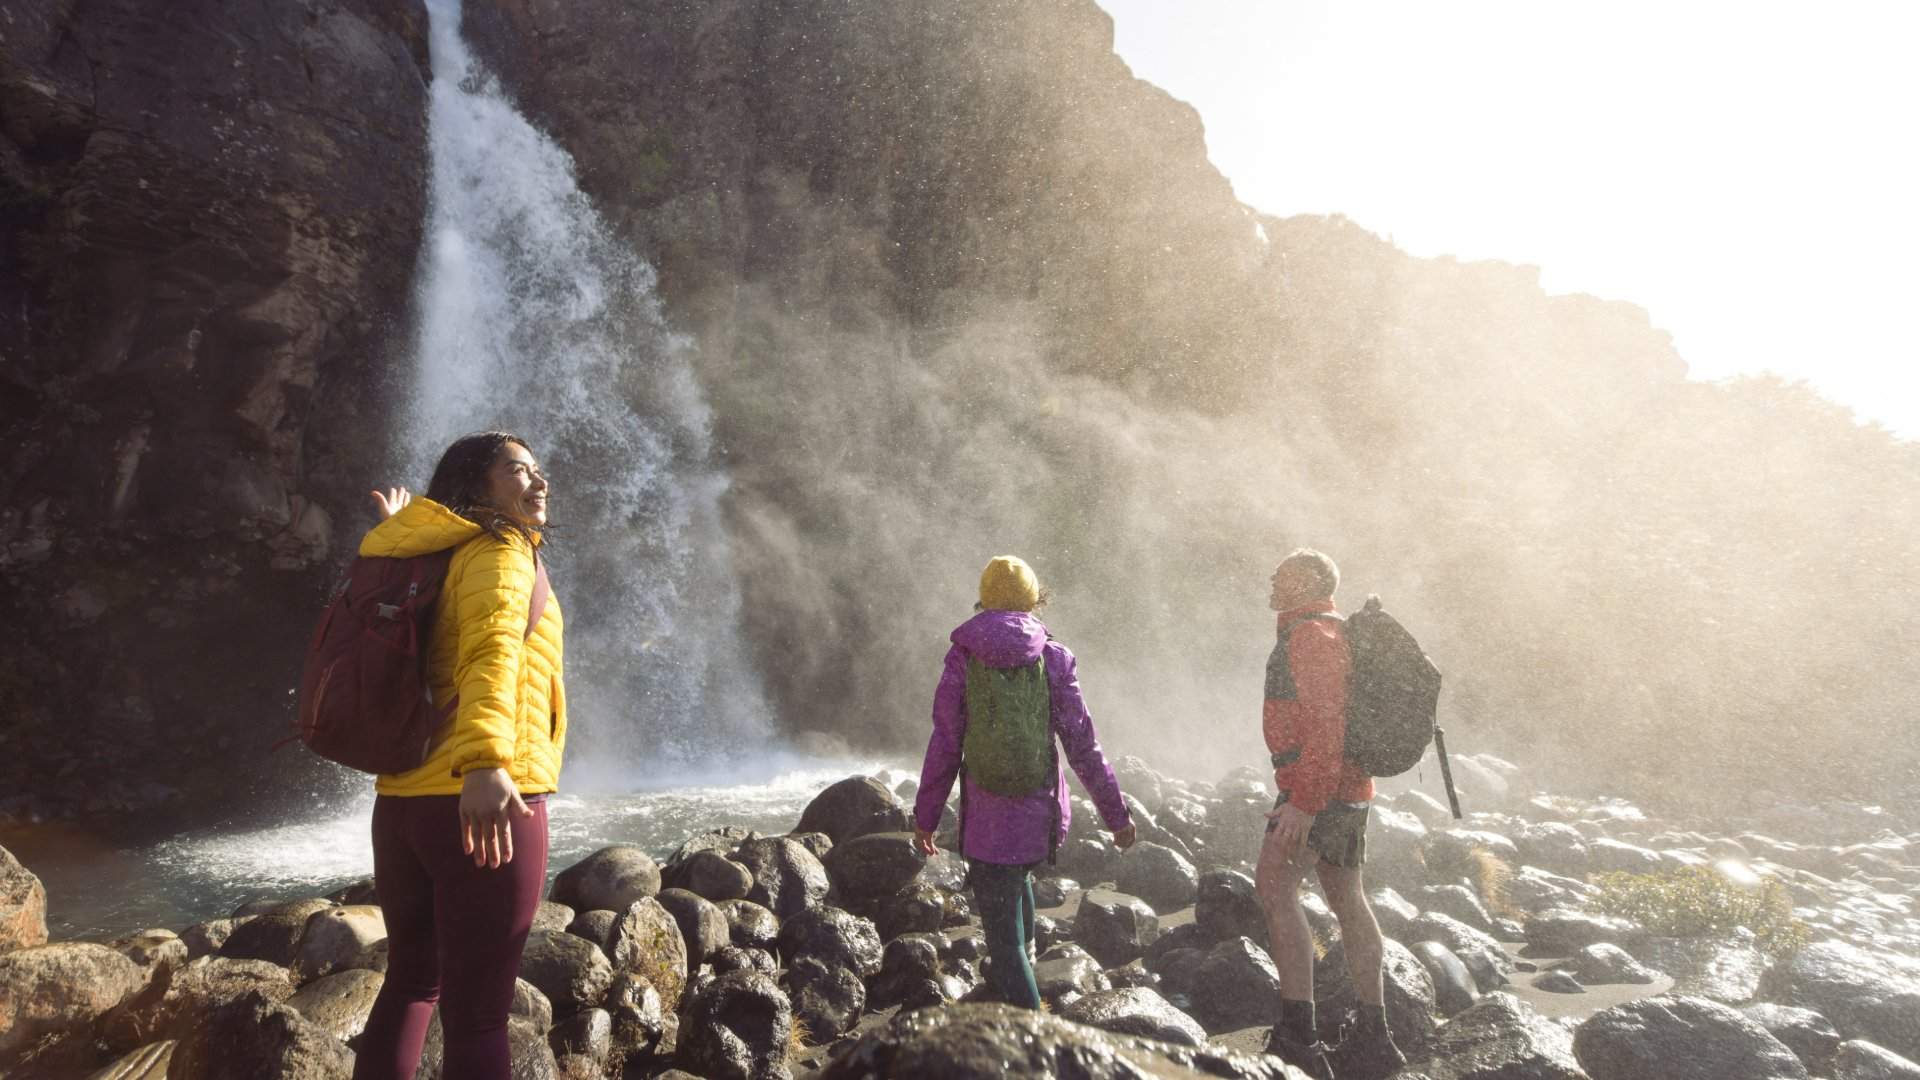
(1749, 172)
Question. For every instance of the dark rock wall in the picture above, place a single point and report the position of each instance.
(209, 214)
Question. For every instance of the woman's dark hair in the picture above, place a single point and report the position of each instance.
(460, 481)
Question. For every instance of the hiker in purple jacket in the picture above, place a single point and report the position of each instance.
(1004, 836)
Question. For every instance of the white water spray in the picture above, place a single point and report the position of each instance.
(534, 319)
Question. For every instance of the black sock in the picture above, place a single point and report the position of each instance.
(1373, 1019)
(1296, 1019)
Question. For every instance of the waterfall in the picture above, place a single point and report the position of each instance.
(534, 318)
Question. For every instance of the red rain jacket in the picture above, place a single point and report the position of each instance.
(1312, 723)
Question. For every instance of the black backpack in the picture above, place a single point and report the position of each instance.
(1393, 694)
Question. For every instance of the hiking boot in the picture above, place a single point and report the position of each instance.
(1310, 1058)
(1369, 1055)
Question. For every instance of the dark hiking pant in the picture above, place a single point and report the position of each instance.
(454, 935)
(1004, 896)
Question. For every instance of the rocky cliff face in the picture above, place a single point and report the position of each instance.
(208, 218)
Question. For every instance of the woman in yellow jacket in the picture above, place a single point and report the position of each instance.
(460, 843)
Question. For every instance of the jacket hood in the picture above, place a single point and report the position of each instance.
(422, 527)
(1002, 639)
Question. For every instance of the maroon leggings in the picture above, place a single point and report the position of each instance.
(454, 936)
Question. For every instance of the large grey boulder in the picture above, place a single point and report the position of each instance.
(1858, 1059)
(1157, 874)
(736, 1027)
(1727, 970)
(23, 905)
(714, 876)
(1136, 1010)
(703, 926)
(607, 880)
(646, 941)
(827, 999)
(871, 867)
(1553, 845)
(1235, 986)
(1066, 972)
(339, 1003)
(834, 937)
(166, 1006)
(1867, 994)
(571, 971)
(787, 879)
(1226, 906)
(853, 807)
(1601, 964)
(749, 925)
(1453, 985)
(273, 937)
(1115, 927)
(58, 990)
(1502, 1038)
(994, 1042)
(1564, 931)
(337, 938)
(1811, 1037)
(251, 1037)
(1483, 956)
(1412, 1001)
(1685, 1038)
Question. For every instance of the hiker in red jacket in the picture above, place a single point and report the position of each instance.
(1319, 822)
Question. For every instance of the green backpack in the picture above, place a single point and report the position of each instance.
(1008, 748)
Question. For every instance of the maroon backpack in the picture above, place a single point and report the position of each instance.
(364, 697)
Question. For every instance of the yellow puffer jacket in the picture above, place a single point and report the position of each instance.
(513, 703)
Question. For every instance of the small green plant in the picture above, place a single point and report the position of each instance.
(1697, 902)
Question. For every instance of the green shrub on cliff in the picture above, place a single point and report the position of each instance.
(1697, 902)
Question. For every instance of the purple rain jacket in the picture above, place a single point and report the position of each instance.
(1012, 830)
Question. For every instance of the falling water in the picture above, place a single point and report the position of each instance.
(535, 319)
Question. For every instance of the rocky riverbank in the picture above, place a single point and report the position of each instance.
(834, 951)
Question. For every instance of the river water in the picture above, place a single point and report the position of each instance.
(97, 891)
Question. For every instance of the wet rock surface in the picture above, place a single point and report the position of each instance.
(1501, 1038)
(607, 880)
(58, 989)
(787, 878)
(1136, 1011)
(853, 807)
(1115, 927)
(1867, 994)
(23, 905)
(736, 1028)
(1655, 1036)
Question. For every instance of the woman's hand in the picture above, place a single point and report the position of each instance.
(390, 501)
(1124, 838)
(923, 843)
(488, 804)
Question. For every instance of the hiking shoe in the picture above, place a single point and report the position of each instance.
(1310, 1058)
(1369, 1056)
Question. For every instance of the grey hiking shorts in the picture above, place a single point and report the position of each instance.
(1339, 833)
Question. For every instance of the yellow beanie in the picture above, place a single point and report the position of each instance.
(1008, 584)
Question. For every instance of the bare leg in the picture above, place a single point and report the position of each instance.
(1277, 879)
(1359, 933)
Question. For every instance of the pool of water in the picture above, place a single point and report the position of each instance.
(97, 891)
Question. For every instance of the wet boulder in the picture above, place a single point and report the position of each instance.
(646, 941)
(208, 938)
(1558, 982)
(827, 1000)
(1650, 1036)
(252, 1036)
(1086, 858)
(607, 880)
(1606, 855)
(1483, 956)
(1411, 998)
(1392, 911)
(1053, 891)
(787, 879)
(1066, 972)
(1533, 890)
(339, 1003)
(1185, 936)
(1727, 970)
(1858, 1059)
(749, 925)
(736, 1027)
(1456, 901)
(1867, 994)
(571, 971)
(551, 916)
(1453, 985)
(1601, 964)
(1553, 846)
(1502, 1038)
(703, 926)
(834, 937)
(164, 1008)
(993, 1042)
(853, 807)
(1564, 931)
(1157, 874)
(154, 951)
(266, 905)
(59, 989)
(918, 908)
(1136, 1011)
(714, 876)
(735, 958)
(530, 1005)
(334, 939)
(23, 905)
(273, 937)
(1235, 986)
(640, 1020)
(1114, 927)
(586, 1037)
(1811, 1037)
(869, 868)
(595, 926)
(907, 965)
